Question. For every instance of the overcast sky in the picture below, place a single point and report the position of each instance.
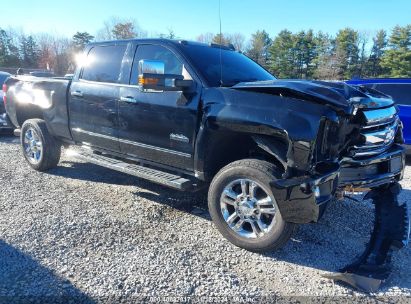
(188, 18)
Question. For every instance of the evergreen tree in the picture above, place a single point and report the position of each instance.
(363, 57)
(258, 49)
(222, 39)
(81, 39)
(9, 53)
(29, 52)
(380, 42)
(282, 55)
(324, 58)
(304, 46)
(346, 53)
(3, 47)
(397, 60)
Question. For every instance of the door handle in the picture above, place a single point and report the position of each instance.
(77, 94)
(128, 99)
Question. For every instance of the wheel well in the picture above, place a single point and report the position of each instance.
(26, 112)
(227, 147)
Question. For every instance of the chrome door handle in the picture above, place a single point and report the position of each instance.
(128, 99)
(77, 94)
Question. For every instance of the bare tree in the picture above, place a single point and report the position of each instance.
(63, 55)
(55, 53)
(120, 28)
(363, 38)
(327, 68)
(238, 40)
(124, 31)
(46, 56)
(171, 34)
(105, 33)
(205, 38)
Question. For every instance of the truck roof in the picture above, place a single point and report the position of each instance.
(164, 41)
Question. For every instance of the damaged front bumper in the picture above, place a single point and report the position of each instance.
(372, 172)
(302, 199)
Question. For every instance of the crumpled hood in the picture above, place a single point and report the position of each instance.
(336, 94)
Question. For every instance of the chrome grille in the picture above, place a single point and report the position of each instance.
(378, 133)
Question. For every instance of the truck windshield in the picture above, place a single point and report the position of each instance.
(235, 68)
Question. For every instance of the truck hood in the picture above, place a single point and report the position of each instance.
(336, 94)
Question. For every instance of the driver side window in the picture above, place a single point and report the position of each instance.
(172, 65)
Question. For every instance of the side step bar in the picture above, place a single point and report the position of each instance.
(153, 175)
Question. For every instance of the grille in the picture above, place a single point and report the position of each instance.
(378, 133)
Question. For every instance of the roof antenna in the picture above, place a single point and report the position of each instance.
(221, 45)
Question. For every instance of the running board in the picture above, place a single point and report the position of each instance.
(153, 175)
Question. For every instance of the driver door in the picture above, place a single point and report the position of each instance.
(158, 126)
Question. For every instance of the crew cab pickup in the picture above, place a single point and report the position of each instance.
(273, 153)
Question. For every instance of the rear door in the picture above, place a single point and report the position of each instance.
(94, 96)
(159, 126)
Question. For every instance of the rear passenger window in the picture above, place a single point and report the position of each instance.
(103, 63)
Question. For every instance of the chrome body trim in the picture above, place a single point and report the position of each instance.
(141, 145)
(378, 133)
(380, 116)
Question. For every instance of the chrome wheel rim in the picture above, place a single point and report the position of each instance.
(33, 146)
(248, 209)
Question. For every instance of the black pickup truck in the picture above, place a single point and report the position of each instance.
(188, 115)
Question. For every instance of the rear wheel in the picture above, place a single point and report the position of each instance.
(41, 150)
(244, 208)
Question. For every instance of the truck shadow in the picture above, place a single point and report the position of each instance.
(184, 201)
(334, 242)
(92, 173)
(329, 245)
(18, 284)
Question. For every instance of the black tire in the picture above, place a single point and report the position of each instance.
(260, 172)
(51, 147)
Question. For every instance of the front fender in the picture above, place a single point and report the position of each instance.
(292, 121)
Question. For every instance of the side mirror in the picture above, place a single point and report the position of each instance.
(151, 77)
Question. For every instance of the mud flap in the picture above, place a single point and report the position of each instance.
(391, 232)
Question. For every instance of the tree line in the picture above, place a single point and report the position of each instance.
(311, 55)
(304, 54)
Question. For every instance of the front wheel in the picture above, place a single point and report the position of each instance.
(244, 208)
(41, 150)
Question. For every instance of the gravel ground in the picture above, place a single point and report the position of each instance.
(91, 234)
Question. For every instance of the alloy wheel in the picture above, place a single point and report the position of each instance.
(248, 209)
